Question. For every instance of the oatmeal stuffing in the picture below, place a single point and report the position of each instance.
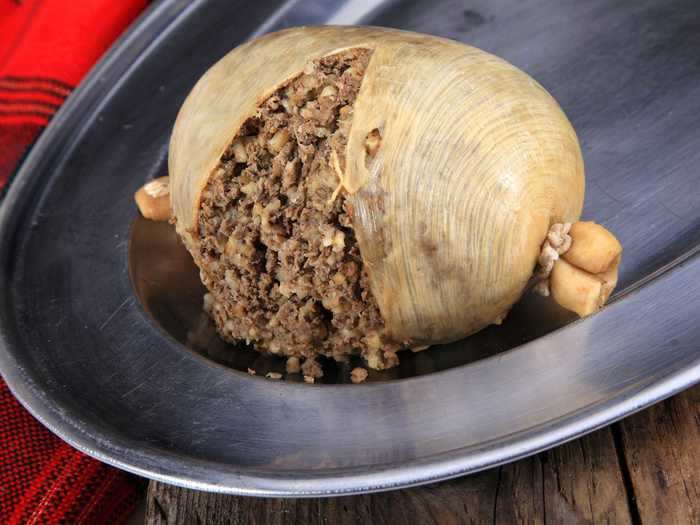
(278, 252)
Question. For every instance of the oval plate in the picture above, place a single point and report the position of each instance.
(101, 363)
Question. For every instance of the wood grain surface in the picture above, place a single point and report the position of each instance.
(644, 469)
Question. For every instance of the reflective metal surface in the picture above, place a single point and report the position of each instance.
(100, 346)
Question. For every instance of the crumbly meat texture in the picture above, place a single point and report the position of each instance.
(277, 249)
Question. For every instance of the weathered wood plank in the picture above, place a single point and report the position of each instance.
(466, 500)
(583, 482)
(661, 446)
(520, 495)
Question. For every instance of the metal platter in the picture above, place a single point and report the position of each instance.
(101, 336)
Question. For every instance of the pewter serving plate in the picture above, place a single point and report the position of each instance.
(102, 337)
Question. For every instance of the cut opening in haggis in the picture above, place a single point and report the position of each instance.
(278, 253)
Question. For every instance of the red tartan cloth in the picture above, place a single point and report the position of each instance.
(46, 47)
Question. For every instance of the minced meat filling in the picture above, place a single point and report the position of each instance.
(277, 248)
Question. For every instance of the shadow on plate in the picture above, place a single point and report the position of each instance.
(166, 281)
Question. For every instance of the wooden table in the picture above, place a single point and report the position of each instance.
(644, 469)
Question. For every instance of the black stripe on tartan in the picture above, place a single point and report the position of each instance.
(26, 113)
(47, 86)
(45, 91)
(36, 80)
(28, 102)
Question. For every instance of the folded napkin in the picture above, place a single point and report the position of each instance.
(46, 47)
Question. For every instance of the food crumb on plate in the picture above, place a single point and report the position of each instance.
(358, 375)
(312, 368)
(293, 365)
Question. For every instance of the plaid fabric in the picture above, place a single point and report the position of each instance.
(46, 47)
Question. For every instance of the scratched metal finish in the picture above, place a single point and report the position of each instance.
(100, 331)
